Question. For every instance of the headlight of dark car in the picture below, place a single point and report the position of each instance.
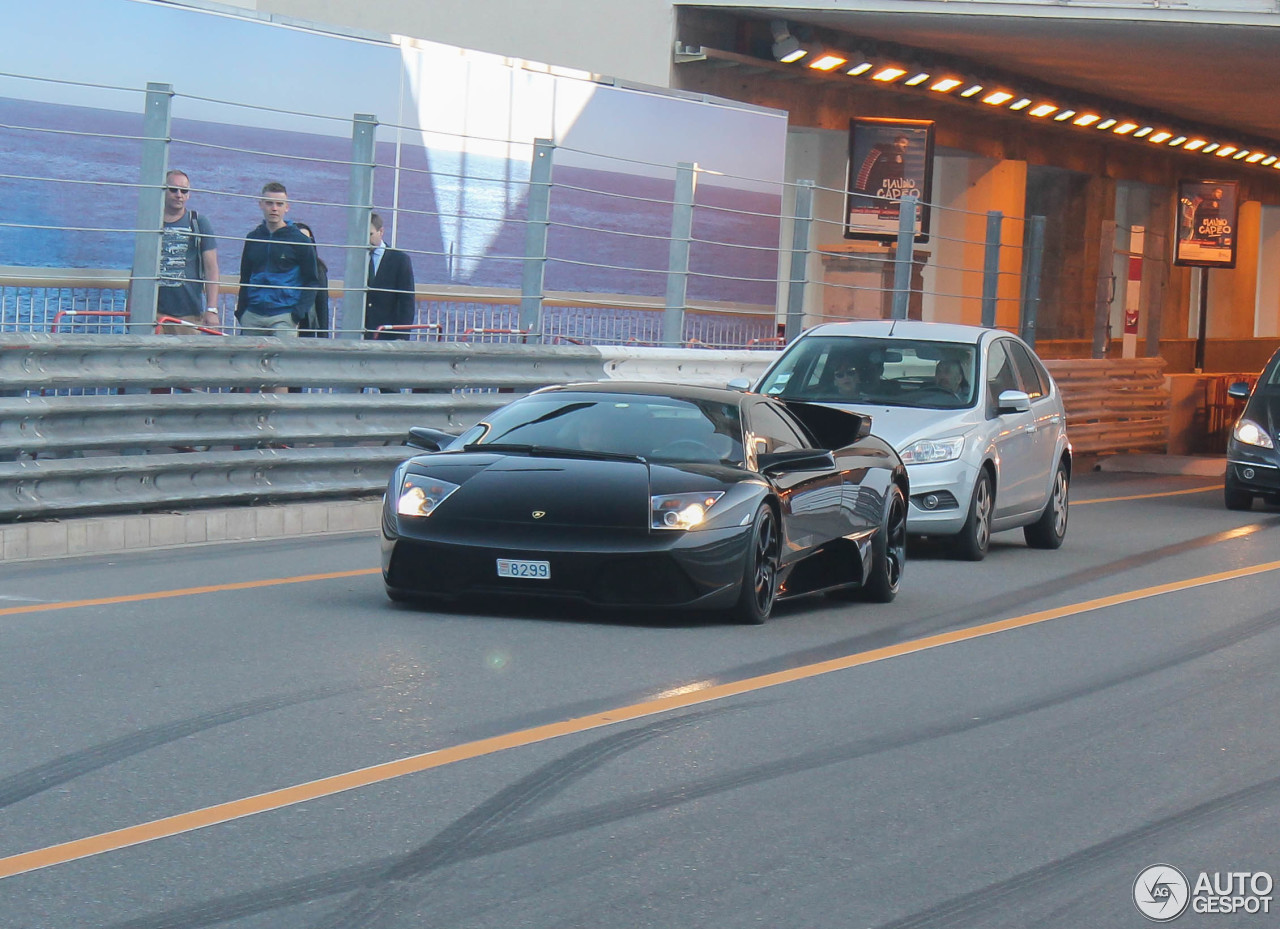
(419, 495)
(1250, 433)
(683, 511)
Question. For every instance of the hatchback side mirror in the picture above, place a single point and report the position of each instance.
(1013, 401)
(1239, 391)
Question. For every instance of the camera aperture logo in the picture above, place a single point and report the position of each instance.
(1162, 892)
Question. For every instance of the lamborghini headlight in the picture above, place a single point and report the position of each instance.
(932, 451)
(420, 495)
(682, 511)
(1250, 433)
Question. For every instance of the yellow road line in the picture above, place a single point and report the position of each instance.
(181, 592)
(325, 787)
(1163, 493)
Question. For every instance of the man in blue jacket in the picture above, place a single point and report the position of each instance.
(277, 266)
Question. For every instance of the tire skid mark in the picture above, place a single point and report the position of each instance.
(988, 608)
(1018, 893)
(58, 771)
(376, 884)
(502, 835)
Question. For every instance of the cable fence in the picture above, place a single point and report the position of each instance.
(509, 240)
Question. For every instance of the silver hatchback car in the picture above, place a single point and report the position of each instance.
(975, 416)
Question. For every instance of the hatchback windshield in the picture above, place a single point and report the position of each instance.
(895, 372)
(653, 428)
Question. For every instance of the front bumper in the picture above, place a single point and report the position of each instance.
(948, 486)
(699, 569)
(1253, 469)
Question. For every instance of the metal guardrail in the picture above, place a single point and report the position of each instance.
(36, 361)
(37, 489)
(58, 426)
(181, 421)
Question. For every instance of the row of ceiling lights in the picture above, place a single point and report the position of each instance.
(788, 50)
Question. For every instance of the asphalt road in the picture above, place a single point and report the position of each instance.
(251, 735)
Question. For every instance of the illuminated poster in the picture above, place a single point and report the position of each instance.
(888, 159)
(1207, 214)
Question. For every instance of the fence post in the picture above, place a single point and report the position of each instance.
(538, 216)
(678, 254)
(355, 275)
(904, 256)
(1105, 290)
(150, 218)
(1033, 258)
(799, 258)
(991, 269)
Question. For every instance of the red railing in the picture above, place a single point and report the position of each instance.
(185, 323)
(76, 314)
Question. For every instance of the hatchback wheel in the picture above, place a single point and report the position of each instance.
(1051, 528)
(974, 539)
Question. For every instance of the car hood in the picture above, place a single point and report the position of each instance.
(552, 491)
(901, 426)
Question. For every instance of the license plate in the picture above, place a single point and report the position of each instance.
(535, 570)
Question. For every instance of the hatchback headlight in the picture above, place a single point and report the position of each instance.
(682, 511)
(931, 451)
(420, 495)
(1250, 433)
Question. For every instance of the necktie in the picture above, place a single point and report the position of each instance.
(373, 267)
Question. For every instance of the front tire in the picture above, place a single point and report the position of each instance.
(975, 537)
(1234, 497)
(759, 571)
(888, 551)
(1050, 528)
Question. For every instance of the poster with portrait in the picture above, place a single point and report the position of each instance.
(888, 159)
(1207, 216)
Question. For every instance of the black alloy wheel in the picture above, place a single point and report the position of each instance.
(888, 551)
(760, 571)
(1233, 496)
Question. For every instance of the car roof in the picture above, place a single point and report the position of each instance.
(905, 329)
(651, 389)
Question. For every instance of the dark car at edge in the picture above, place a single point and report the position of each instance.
(1253, 458)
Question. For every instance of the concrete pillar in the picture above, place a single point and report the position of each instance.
(1266, 313)
(965, 188)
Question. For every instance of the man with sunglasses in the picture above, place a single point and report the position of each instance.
(188, 284)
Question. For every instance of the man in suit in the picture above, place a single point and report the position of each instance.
(389, 300)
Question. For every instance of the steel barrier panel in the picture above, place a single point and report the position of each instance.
(34, 489)
(52, 425)
(34, 361)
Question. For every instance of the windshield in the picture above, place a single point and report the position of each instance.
(892, 372)
(653, 428)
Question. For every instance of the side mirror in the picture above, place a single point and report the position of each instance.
(799, 459)
(739, 383)
(1239, 391)
(428, 439)
(1013, 401)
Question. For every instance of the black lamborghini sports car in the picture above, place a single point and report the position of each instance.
(649, 495)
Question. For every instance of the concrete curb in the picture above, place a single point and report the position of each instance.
(102, 535)
(1165, 464)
